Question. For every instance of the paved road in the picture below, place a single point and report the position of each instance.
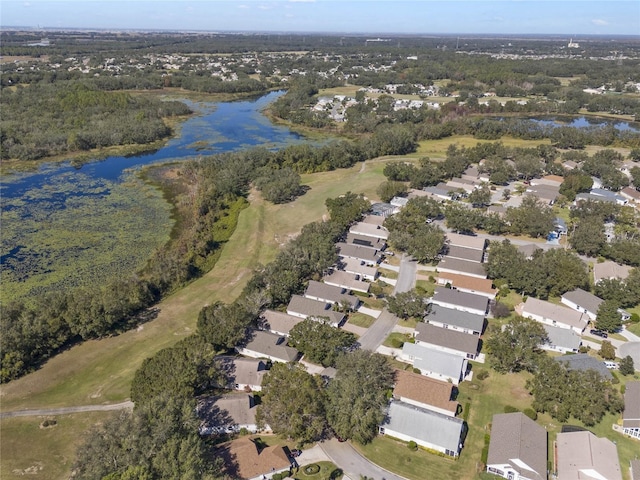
(67, 410)
(352, 463)
(379, 331)
(407, 275)
(629, 336)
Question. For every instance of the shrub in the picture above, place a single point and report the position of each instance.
(510, 409)
(396, 343)
(531, 413)
(635, 318)
(584, 349)
(312, 469)
(417, 370)
(413, 446)
(482, 374)
(500, 310)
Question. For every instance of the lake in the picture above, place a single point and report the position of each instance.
(62, 223)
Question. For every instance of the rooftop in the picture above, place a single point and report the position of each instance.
(563, 337)
(271, 345)
(610, 270)
(467, 241)
(444, 337)
(359, 252)
(582, 455)
(431, 360)
(279, 321)
(226, 412)
(330, 293)
(465, 253)
(313, 308)
(583, 362)
(424, 390)
(240, 371)
(553, 312)
(631, 415)
(468, 283)
(584, 299)
(243, 459)
(462, 267)
(458, 318)
(370, 230)
(462, 299)
(346, 280)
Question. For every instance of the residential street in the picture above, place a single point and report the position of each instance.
(406, 275)
(352, 463)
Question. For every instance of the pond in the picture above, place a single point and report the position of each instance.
(586, 122)
(64, 223)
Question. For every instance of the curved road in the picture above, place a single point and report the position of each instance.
(66, 410)
(352, 463)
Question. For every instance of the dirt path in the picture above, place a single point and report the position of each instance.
(65, 410)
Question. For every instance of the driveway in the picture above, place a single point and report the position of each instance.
(407, 275)
(379, 331)
(352, 463)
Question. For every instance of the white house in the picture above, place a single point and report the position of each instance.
(436, 364)
(631, 415)
(553, 315)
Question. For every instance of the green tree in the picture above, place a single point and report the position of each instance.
(626, 366)
(608, 318)
(347, 209)
(516, 346)
(589, 237)
(532, 217)
(575, 182)
(320, 342)
(607, 350)
(224, 326)
(407, 304)
(480, 197)
(461, 219)
(278, 185)
(293, 403)
(358, 395)
(389, 189)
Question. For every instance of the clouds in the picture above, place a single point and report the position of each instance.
(600, 22)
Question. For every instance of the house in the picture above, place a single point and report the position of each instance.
(554, 315)
(458, 320)
(570, 165)
(464, 253)
(467, 284)
(437, 193)
(499, 210)
(377, 220)
(630, 194)
(437, 364)
(561, 226)
(346, 280)
(245, 459)
(365, 241)
(447, 340)
(582, 455)
(462, 267)
(304, 307)
(547, 194)
(226, 414)
(369, 230)
(358, 267)
(382, 210)
(467, 186)
(241, 373)
(323, 292)
(399, 201)
(563, 340)
(424, 392)
(428, 429)
(268, 345)
(608, 195)
(457, 300)
(582, 301)
(279, 323)
(552, 180)
(466, 241)
(370, 256)
(631, 415)
(584, 362)
(528, 250)
(609, 270)
(517, 448)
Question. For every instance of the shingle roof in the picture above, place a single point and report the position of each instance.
(356, 266)
(551, 311)
(240, 370)
(330, 293)
(227, 411)
(464, 253)
(366, 241)
(584, 299)
(425, 425)
(350, 250)
(271, 345)
(461, 299)
(563, 337)
(425, 390)
(374, 219)
(443, 337)
(458, 318)
(467, 241)
(519, 441)
(610, 270)
(582, 454)
(463, 267)
(280, 322)
(583, 362)
(431, 360)
(346, 280)
(469, 283)
(631, 415)
(370, 230)
(244, 460)
(313, 308)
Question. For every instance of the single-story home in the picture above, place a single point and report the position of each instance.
(547, 194)
(358, 267)
(447, 340)
(457, 300)
(467, 186)
(368, 255)
(382, 210)
(324, 292)
(428, 429)
(563, 340)
(582, 455)
(552, 314)
(374, 220)
(608, 198)
(455, 319)
(226, 414)
(584, 362)
(437, 193)
(631, 415)
(279, 323)
(268, 345)
(346, 280)
(630, 194)
(241, 373)
(517, 448)
(528, 250)
(366, 241)
(467, 284)
(464, 253)
(466, 241)
(553, 180)
(424, 392)
(582, 301)
(462, 267)
(246, 460)
(609, 270)
(304, 307)
(436, 364)
(369, 230)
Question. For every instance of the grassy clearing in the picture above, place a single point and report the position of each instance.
(392, 274)
(361, 320)
(396, 339)
(437, 149)
(43, 453)
(634, 328)
(425, 287)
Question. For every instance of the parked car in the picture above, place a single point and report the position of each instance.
(611, 365)
(296, 453)
(599, 333)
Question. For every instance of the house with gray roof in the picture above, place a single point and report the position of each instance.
(528, 249)
(584, 362)
(609, 270)
(455, 319)
(461, 267)
(465, 253)
(436, 364)
(428, 429)
(563, 340)
(369, 230)
(241, 373)
(610, 197)
(279, 323)
(374, 219)
(518, 448)
(382, 210)
(368, 255)
(582, 301)
(366, 241)
(268, 345)
(358, 267)
(447, 340)
(346, 280)
(463, 301)
(466, 241)
(582, 455)
(631, 415)
(304, 307)
(554, 315)
(226, 414)
(324, 292)
(437, 193)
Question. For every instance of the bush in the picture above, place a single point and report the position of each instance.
(531, 413)
(312, 469)
(584, 349)
(510, 409)
(396, 343)
(626, 366)
(500, 310)
(482, 374)
(413, 446)
(635, 318)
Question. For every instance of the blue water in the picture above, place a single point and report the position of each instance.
(586, 122)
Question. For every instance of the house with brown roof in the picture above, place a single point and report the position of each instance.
(630, 194)
(324, 292)
(551, 314)
(609, 270)
(424, 392)
(346, 280)
(268, 345)
(517, 448)
(279, 323)
(447, 340)
(631, 415)
(245, 459)
(241, 373)
(458, 300)
(582, 455)
(467, 284)
(304, 307)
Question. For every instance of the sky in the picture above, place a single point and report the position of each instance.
(565, 17)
